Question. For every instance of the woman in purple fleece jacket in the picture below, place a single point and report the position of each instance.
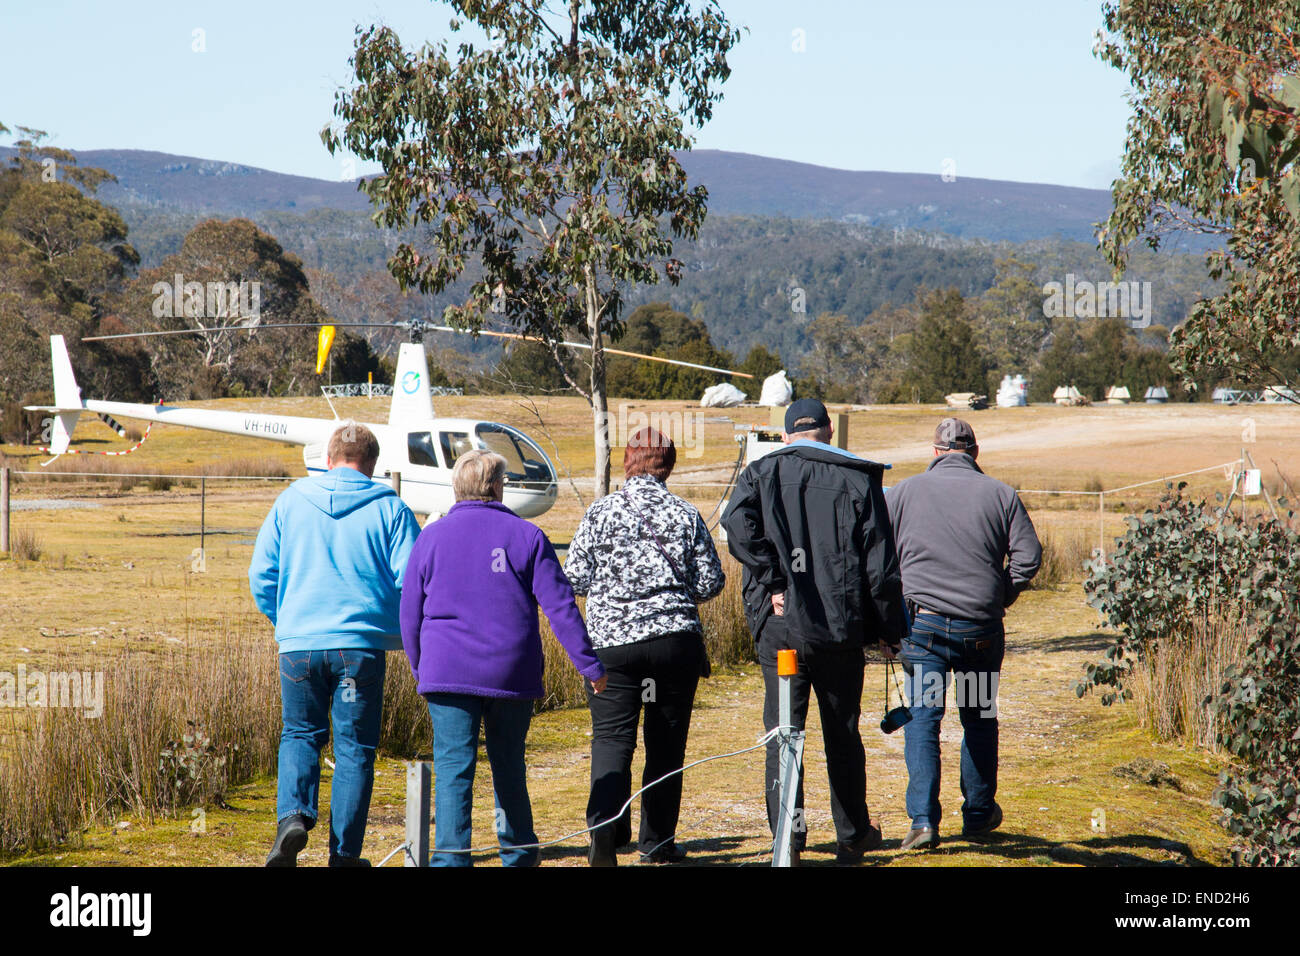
(469, 625)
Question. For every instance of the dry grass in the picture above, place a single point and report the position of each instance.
(25, 544)
(1172, 684)
(62, 770)
(1064, 554)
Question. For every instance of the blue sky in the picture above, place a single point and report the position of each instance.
(1006, 89)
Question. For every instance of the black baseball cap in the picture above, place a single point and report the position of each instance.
(953, 434)
(806, 408)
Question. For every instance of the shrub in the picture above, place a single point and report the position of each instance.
(1208, 604)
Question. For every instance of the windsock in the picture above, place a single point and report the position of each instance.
(323, 342)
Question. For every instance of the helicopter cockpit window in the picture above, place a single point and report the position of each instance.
(419, 449)
(524, 462)
(454, 444)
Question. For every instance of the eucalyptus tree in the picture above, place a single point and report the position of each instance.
(543, 159)
(1212, 148)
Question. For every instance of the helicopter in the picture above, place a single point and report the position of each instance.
(414, 443)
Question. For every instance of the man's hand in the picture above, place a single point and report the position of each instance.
(889, 650)
(778, 604)
(598, 686)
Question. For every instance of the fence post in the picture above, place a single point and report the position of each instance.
(397, 483)
(203, 516)
(4, 510)
(417, 812)
(1101, 524)
(791, 756)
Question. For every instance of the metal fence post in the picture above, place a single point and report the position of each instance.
(418, 774)
(791, 757)
(397, 483)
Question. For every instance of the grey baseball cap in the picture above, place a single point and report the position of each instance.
(953, 434)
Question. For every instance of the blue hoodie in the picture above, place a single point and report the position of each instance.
(328, 564)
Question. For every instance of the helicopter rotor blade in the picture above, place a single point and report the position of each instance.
(425, 327)
(239, 328)
(584, 345)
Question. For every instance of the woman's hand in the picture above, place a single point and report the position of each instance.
(599, 685)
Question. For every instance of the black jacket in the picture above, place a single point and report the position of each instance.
(810, 520)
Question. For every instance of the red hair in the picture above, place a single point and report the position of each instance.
(649, 452)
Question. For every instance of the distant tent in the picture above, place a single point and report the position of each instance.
(1157, 395)
(1117, 395)
(1067, 395)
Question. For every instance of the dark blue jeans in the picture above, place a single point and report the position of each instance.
(938, 651)
(315, 686)
(456, 719)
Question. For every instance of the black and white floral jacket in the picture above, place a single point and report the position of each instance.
(644, 558)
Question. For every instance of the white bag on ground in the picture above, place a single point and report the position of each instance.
(721, 396)
(777, 390)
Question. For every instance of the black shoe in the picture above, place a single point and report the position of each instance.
(290, 838)
(601, 852)
(920, 838)
(980, 829)
(847, 853)
(348, 860)
(670, 853)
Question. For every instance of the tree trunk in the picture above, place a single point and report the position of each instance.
(599, 402)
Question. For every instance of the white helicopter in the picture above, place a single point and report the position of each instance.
(414, 443)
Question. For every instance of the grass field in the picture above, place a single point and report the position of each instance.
(116, 569)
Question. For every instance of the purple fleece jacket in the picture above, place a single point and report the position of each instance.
(469, 605)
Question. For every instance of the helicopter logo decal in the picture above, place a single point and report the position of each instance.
(410, 382)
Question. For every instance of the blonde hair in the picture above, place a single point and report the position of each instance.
(475, 474)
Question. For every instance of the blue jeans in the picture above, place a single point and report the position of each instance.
(456, 719)
(938, 649)
(315, 686)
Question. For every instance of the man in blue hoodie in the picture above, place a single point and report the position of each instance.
(327, 570)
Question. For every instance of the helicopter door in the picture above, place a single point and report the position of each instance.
(526, 465)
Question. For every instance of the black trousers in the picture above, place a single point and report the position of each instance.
(659, 675)
(835, 675)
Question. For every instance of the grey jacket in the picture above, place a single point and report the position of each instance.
(955, 528)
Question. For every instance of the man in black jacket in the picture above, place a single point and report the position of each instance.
(809, 524)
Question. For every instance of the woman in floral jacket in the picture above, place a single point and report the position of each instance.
(645, 559)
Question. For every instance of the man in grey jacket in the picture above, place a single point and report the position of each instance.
(966, 549)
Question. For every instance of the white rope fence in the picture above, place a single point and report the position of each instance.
(486, 850)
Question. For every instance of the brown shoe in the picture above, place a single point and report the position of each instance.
(920, 838)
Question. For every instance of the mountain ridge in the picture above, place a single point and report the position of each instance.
(739, 184)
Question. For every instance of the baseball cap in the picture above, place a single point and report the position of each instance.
(806, 408)
(953, 434)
